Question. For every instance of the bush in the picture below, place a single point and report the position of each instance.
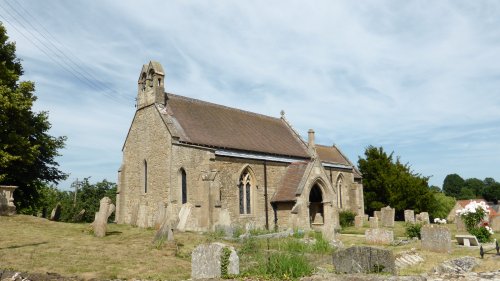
(346, 218)
(482, 234)
(413, 230)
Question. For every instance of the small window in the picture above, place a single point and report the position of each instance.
(145, 176)
(245, 193)
(183, 186)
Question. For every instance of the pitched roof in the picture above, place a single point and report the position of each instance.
(213, 125)
(464, 203)
(289, 184)
(331, 154)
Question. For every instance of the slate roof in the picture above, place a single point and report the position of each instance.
(207, 124)
(288, 186)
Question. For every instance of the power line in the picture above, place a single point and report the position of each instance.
(103, 85)
(64, 65)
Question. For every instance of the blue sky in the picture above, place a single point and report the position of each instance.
(420, 78)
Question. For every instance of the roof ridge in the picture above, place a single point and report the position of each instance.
(223, 106)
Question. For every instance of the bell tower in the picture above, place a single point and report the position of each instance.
(150, 87)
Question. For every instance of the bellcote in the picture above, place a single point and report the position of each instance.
(150, 87)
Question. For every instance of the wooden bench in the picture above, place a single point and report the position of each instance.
(467, 240)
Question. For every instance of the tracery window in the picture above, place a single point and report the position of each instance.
(245, 186)
(339, 190)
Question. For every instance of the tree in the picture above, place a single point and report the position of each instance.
(89, 196)
(389, 182)
(27, 151)
(491, 191)
(476, 185)
(452, 185)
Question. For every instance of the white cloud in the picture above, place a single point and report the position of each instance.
(419, 78)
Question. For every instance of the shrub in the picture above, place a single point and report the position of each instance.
(346, 218)
(321, 245)
(413, 230)
(472, 215)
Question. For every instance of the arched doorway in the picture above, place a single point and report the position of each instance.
(316, 212)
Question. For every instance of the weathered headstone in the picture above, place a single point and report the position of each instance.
(134, 214)
(224, 223)
(56, 213)
(379, 236)
(160, 215)
(409, 216)
(142, 216)
(184, 215)
(423, 217)
(457, 266)
(373, 222)
(106, 208)
(358, 221)
(362, 259)
(165, 233)
(436, 238)
(377, 214)
(78, 217)
(7, 207)
(495, 223)
(387, 214)
(207, 261)
(467, 240)
(460, 224)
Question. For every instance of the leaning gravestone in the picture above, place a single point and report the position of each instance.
(207, 261)
(373, 222)
(56, 213)
(106, 208)
(423, 218)
(362, 259)
(387, 214)
(436, 238)
(379, 236)
(409, 216)
(78, 217)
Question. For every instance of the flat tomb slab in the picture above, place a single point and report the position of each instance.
(467, 240)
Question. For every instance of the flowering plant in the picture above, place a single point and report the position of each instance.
(474, 215)
(440, 221)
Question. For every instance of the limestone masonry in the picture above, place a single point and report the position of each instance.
(202, 165)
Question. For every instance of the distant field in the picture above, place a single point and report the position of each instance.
(37, 245)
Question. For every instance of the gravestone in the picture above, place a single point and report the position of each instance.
(134, 214)
(160, 215)
(165, 233)
(373, 222)
(56, 213)
(184, 215)
(409, 216)
(206, 261)
(224, 223)
(78, 217)
(460, 224)
(423, 218)
(387, 214)
(358, 221)
(106, 208)
(379, 236)
(7, 207)
(467, 240)
(436, 238)
(362, 259)
(377, 214)
(495, 223)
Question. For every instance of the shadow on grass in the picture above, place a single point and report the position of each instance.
(25, 245)
(113, 233)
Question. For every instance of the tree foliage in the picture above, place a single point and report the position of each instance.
(452, 185)
(387, 181)
(472, 188)
(27, 151)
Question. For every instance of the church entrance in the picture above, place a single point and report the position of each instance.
(316, 214)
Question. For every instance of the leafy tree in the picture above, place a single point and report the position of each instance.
(89, 196)
(27, 151)
(443, 205)
(476, 186)
(491, 190)
(452, 185)
(387, 181)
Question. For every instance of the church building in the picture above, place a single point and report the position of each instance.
(202, 165)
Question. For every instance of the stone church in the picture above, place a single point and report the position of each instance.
(203, 165)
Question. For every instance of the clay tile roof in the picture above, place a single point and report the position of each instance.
(214, 125)
(464, 203)
(289, 184)
(331, 154)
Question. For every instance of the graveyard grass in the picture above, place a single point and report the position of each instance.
(37, 245)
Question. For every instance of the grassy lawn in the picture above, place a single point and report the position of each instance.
(37, 245)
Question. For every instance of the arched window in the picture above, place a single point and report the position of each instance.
(183, 179)
(145, 176)
(244, 187)
(316, 215)
(340, 181)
